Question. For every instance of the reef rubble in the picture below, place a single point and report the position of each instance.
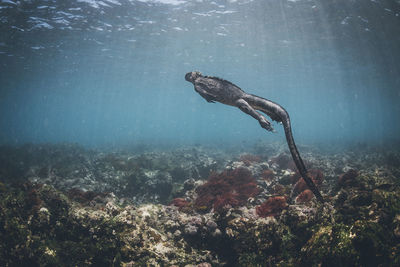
(63, 205)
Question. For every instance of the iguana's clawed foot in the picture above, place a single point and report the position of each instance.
(266, 125)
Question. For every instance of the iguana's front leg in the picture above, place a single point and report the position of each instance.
(206, 95)
(246, 108)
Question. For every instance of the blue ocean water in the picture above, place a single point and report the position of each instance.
(111, 72)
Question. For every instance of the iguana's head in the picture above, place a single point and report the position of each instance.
(192, 76)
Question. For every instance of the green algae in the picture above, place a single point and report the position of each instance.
(389, 201)
(329, 245)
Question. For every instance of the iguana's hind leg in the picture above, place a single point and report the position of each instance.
(246, 108)
(273, 110)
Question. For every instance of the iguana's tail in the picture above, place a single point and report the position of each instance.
(279, 114)
(297, 159)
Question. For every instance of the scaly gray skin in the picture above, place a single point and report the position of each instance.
(214, 89)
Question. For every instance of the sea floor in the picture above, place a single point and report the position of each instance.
(64, 205)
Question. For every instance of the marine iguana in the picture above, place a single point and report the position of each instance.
(215, 89)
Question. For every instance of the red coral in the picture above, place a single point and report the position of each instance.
(304, 196)
(315, 175)
(272, 207)
(300, 186)
(348, 177)
(267, 175)
(180, 203)
(228, 199)
(229, 188)
(283, 160)
(248, 159)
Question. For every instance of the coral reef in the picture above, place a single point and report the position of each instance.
(300, 184)
(62, 205)
(230, 188)
(181, 204)
(272, 207)
(348, 177)
(248, 159)
(304, 196)
(284, 161)
(147, 177)
(267, 174)
(41, 226)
